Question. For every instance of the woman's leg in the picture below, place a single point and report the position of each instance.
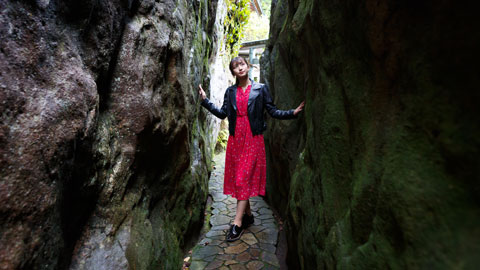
(247, 218)
(248, 210)
(241, 207)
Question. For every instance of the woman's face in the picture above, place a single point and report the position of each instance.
(240, 69)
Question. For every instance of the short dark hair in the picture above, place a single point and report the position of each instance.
(236, 60)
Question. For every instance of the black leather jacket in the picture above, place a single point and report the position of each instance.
(258, 99)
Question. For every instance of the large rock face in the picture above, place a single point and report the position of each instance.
(102, 145)
(381, 171)
(220, 76)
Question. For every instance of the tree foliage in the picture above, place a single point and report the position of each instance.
(266, 5)
(238, 13)
(256, 28)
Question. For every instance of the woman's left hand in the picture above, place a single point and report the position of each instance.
(299, 108)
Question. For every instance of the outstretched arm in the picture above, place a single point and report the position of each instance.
(272, 109)
(220, 113)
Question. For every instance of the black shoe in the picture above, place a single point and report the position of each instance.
(247, 220)
(234, 233)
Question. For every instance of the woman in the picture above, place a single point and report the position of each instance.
(245, 165)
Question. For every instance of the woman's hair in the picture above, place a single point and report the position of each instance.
(237, 60)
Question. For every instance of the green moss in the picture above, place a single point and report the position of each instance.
(386, 178)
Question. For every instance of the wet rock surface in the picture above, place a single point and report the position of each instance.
(257, 246)
(381, 171)
(101, 137)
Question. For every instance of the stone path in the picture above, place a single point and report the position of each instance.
(255, 249)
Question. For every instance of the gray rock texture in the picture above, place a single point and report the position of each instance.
(102, 141)
(220, 76)
(382, 169)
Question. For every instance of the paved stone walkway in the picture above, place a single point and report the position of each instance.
(255, 249)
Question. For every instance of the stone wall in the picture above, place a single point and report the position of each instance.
(220, 76)
(382, 169)
(104, 150)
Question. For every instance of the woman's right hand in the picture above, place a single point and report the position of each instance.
(201, 92)
(299, 108)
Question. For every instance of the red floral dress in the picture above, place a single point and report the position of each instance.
(245, 165)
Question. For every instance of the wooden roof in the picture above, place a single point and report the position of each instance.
(255, 6)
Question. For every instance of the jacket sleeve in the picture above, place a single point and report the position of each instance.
(272, 109)
(220, 113)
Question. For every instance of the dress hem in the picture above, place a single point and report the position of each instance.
(242, 199)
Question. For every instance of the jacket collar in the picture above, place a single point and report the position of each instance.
(253, 93)
(255, 85)
(233, 96)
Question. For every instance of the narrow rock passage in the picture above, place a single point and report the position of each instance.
(257, 246)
